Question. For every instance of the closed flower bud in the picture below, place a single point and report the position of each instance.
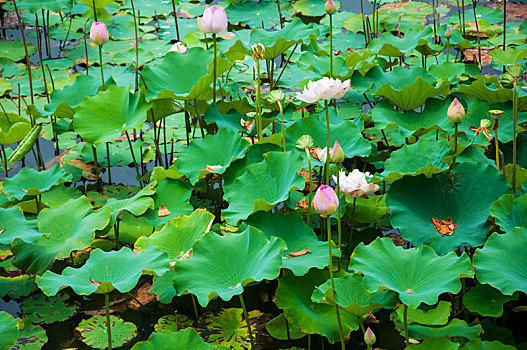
(305, 141)
(369, 337)
(337, 154)
(448, 33)
(456, 112)
(325, 201)
(330, 7)
(214, 20)
(99, 33)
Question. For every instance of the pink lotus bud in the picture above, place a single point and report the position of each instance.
(456, 112)
(99, 33)
(337, 154)
(325, 201)
(214, 20)
(330, 7)
(369, 337)
(448, 33)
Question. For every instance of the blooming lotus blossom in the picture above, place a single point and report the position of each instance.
(214, 20)
(178, 47)
(355, 184)
(99, 33)
(325, 201)
(456, 112)
(323, 89)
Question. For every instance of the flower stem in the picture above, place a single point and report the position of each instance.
(328, 144)
(109, 165)
(258, 110)
(447, 48)
(406, 324)
(100, 61)
(279, 104)
(331, 46)
(310, 184)
(350, 240)
(341, 334)
(455, 145)
(108, 324)
(194, 306)
(339, 226)
(214, 68)
(514, 133)
(247, 321)
(94, 151)
(497, 146)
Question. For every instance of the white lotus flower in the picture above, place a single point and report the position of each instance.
(178, 47)
(323, 89)
(355, 184)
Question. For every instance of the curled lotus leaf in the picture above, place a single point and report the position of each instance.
(15, 226)
(419, 275)
(510, 212)
(8, 329)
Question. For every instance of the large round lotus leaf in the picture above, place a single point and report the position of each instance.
(93, 331)
(465, 197)
(486, 89)
(135, 205)
(344, 131)
(164, 81)
(187, 338)
(436, 316)
(113, 111)
(417, 274)
(510, 212)
(393, 46)
(407, 89)
(8, 329)
(478, 344)
(298, 237)
(293, 295)
(263, 185)
(41, 308)
(277, 328)
(51, 5)
(163, 287)
(64, 101)
(257, 14)
(30, 337)
(455, 328)
(353, 297)
(434, 116)
(14, 49)
(434, 343)
(70, 226)
(13, 128)
(16, 287)
(31, 182)
(424, 157)
(251, 257)
(219, 149)
(178, 235)
(105, 271)
(502, 263)
(15, 225)
(486, 301)
(174, 195)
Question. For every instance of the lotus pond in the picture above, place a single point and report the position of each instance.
(269, 174)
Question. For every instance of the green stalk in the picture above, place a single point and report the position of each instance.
(328, 144)
(497, 145)
(341, 334)
(97, 171)
(330, 45)
(133, 155)
(247, 321)
(4, 162)
(109, 166)
(447, 48)
(195, 306)
(308, 341)
(281, 109)
(100, 62)
(406, 325)
(455, 145)
(338, 215)
(214, 68)
(108, 324)
(352, 219)
(514, 132)
(258, 110)
(310, 184)
(136, 48)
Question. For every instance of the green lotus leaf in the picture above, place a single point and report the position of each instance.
(113, 111)
(228, 330)
(466, 198)
(70, 226)
(389, 45)
(489, 90)
(222, 274)
(367, 210)
(423, 157)
(434, 343)
(501, 262)
(14, 49)
(93, 331)
(509, 212)
(51, 5)
(413, 123)
(353, 297)
(169, 323)
(15, 226)
(13, 128)
(105, 271)
(454, 328)
(41, 308)
(346, 132)
(263, 185)
(135, 205)
(219, 149)
(178, 235)
(8, 329)
(478, 344)
(278, 326)
(448, 70)
(293, 295)
(436, 316)
(510, 55)
(30, 337)
(16, 287)
(298, 236)
(64, 101)
(417, 274)
(408, 90)
(163, 287)
(185, 84)
(186, 338)
(486, 301)
(175, 196)
(29, 182)
(258, 14)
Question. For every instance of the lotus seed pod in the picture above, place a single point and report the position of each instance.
(304, 141)
(485, 123)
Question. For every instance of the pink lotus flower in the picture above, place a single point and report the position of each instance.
(99, 33)
(330, 7)
(325, 201)
(214, 20)
(369, 337)
(323, 89)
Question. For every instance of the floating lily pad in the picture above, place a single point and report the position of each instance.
(135, 205)
(502, 263)
(277, 328)
(14, 49)
(486, 301)
(510, 212)
(93, 331)
(41, 308)
(16, 287)
(13, 128)
(229, 330)
(168, 323)
(8, 329)
(29, 182)
(417, 274)
(185, 339)
(222, 274)
(31, 337)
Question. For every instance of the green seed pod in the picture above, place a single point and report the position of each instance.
(26, 144)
